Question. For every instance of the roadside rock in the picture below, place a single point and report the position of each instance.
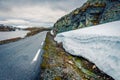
(93, 12)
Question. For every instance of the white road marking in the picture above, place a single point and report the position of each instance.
(42, 43)
(36, 56)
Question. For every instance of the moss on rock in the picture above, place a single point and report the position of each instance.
(93, 12)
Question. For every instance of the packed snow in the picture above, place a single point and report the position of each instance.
(51, 32)
(99, 44)
(12, 34)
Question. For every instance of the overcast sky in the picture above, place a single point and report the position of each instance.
(35, 12)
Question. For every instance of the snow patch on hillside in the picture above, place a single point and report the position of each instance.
(12, 34)
(99, 44)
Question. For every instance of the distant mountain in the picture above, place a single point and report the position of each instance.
(93, 12)
(7, 28)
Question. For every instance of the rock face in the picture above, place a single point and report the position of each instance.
(93, 12)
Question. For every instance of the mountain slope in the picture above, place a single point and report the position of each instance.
(93, 12)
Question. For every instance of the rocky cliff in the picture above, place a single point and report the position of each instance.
(93, 12)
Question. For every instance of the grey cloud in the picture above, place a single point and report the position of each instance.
(55, 4)
(65, 6)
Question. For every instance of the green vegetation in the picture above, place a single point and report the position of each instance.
(59, 65)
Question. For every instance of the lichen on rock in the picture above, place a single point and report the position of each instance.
(93, 12)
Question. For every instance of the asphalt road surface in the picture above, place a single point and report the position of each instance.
(21, 60)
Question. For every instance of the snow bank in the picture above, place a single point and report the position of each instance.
(51, 32)
(99, 44)
(12, 34)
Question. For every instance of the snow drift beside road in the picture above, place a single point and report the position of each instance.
(99, 44)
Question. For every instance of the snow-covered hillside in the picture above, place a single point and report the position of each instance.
(12, 34)
(99, 44)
